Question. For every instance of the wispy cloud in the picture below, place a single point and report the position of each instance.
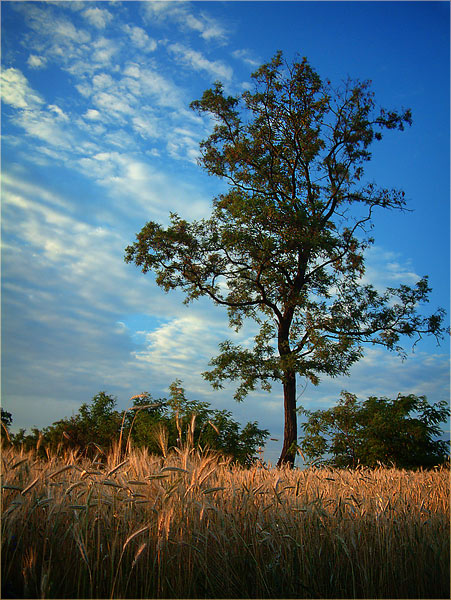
(48, 126)
(247, 57)
(19, 185)
(129, 176)
(74, 320)
(98, 17)
(103, 50)
(198, 62)
(187, 338)
(16, 90)
(87, 256)
(36, 62)
(187, 17)
(116, 92)
(112, 100)
(387, 268)
(54, 31)
(140, 39)
(92, 114)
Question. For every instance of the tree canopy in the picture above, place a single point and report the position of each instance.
(399, 432)
(285, 244)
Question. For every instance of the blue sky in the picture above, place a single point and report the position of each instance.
(98, 138)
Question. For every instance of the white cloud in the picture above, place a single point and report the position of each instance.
(54, 38)
(92, 114)
(113, 103)
(47, 24)
(198, 62)
(183, 144)
(84, 254)
(128, 176)
(98, 17)
(22, 187)
(84, 89)
(384, 268)
(132, 70)
(246, 56)
(102, 81)
(58, 112)
(85, 263)
(146, 126)
(46, 126)
(51, 216)
(140, 39)
(36, 62)
(177, 342)
(64, 29)
(121, 327)
(103, 51)
(137, 84)
(163, 90)
(16, 90)
(74, 5)
(186, 16)
(183, 346)
(120, 95)
(209, 28)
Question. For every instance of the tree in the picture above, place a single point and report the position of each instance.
(6, 418)
(397, 432)
(194, 422)
(95, 425)
(285, 245)
(6, 421)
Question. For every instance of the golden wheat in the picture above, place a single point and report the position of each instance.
(192, 525)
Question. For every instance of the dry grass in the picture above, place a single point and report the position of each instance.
(192, 526)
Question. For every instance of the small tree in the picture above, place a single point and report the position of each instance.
(6, 421)
(195, 422)
(96, 424)
(397, 432)
(285, 245)
(6, 418)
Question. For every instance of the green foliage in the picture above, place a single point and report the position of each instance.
(95, 423)
(97, 426)
(378, 430)
(285, 245)
(6, 421)
(6, 418)
(194, 422)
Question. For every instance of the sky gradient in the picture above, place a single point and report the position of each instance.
(98, 138)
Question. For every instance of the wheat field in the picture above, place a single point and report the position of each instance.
(192, 525)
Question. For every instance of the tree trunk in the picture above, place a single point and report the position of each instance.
(290, 434)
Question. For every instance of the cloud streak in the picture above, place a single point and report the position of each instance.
(17, 92)
(181, 14)
(194, 59)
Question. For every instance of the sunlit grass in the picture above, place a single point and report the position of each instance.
(192, 525)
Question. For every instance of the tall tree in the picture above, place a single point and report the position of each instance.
(285, 245)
